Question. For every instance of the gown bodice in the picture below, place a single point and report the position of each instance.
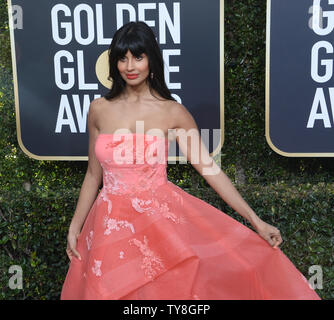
(132, 162)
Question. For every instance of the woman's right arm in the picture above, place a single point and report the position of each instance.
(93, 177)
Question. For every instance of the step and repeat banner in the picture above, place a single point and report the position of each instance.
(60, 65)
(299, 77)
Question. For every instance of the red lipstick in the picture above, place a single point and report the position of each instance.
(132, 76)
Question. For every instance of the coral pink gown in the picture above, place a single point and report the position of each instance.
(145, 238)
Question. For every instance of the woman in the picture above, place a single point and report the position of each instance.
(142, 237)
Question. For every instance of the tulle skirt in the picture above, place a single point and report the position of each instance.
(175, 246)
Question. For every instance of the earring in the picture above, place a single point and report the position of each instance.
(152, 74)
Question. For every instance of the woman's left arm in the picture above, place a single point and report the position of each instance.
(192, 146)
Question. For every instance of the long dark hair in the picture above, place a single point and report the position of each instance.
(139, 38)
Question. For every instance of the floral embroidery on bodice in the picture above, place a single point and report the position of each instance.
(131, 163)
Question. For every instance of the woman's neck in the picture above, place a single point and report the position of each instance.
(135, 93)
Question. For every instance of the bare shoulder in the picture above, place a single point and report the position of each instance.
(181, 115)
(173, 105)
(97, 105)
(97, 108)
(177, 108)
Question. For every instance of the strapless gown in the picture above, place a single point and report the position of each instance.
(145, 238)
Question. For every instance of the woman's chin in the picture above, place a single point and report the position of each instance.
(135, 82)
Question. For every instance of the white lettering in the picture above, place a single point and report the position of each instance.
(328, 63)
(142, 7)
(67, 26)
(120, 8)
(68, 71)
(65, 114)
(177, 98)
(81, 74)
(81, 115)
(89, 23)
(101, 40)
(168, 68)
(317, 17)
(165, 19)
(61, 120)
(319, 99)
(84, 17)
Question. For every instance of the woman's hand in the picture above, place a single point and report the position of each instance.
(71, 245)
(269, 233)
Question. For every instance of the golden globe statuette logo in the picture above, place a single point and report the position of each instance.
(102, 70)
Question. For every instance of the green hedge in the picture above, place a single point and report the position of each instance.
(294, 194)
